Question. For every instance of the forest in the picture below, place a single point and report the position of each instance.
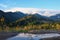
(28, 23)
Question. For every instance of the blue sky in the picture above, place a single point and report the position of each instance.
(43, 4)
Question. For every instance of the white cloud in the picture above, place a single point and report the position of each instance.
(35, 10)
(25, 10)
(49, 13)
(3, 5)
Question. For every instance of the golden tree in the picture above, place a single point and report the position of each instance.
(2, 22)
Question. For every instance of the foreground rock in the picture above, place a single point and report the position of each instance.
(5, 35)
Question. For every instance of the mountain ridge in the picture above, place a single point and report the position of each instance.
(13, 16)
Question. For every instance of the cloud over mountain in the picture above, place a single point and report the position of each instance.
(44, 12)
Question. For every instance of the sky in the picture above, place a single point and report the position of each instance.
(43, 4)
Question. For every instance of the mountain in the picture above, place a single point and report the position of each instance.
(1, 13)
(11, 16)
(24, 19)
(55, 17)
(35, 19)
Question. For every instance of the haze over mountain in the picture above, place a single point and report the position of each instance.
(44, 12)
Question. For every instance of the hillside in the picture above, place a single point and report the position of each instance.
(11, 16)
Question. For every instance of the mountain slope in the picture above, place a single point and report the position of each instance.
(11, 16)
(34, 19)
